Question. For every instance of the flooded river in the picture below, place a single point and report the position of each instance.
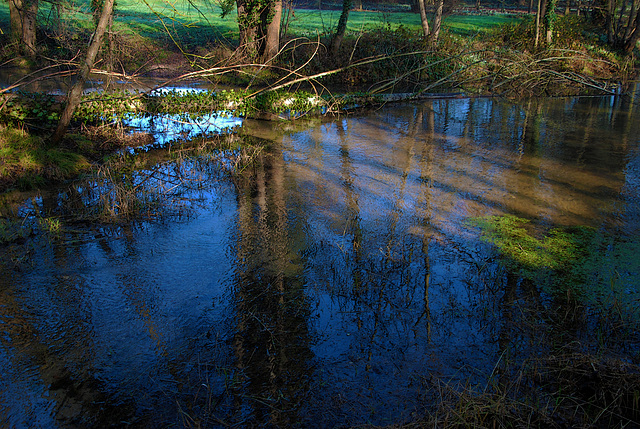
(340, 282)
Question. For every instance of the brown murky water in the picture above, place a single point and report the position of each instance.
(339, 284)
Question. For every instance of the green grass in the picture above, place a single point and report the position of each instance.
(308, 22)
(204, 24)
(26, 160)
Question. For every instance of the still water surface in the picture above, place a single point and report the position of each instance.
(340, 283)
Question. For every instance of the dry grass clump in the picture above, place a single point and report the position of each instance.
(567, 391)
(602, 391)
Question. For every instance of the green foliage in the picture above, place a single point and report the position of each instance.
(29, 108)
(571, 30)
(519, 35)
(279, 102)
(439, 66)
(174, 102)
(193, 105)
(107, 106)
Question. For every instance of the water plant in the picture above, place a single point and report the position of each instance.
(12, 230)
(529, 253)
(576, 266)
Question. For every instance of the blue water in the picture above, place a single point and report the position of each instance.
(338, 283)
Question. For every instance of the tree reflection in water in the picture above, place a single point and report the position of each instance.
(338, 281)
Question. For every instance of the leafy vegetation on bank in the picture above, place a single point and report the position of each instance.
(477, 50)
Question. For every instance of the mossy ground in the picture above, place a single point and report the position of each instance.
(28, 162)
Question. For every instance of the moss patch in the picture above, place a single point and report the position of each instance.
(523, 250)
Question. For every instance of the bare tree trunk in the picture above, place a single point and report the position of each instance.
(342, 26)
(538, 16)
(287, 14)
(423, 18)
(623, 24)
(634, 36)
(272, 42)
(15, 13)
(437, 23)
(609, 21)
(23, 14)
(75, 94)
(29, 15)
(630, 22)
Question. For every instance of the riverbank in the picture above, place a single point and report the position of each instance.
(371, 67)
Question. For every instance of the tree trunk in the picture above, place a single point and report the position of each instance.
(342, 27)
(75, 94)
(631, 22)
(15, 13)
(550, 19)
(622, 24)
(437, 23)
(259, 28)
(538, 16)
(29, 15)
(632, 41)
(23, 14)
(287, 14)
(272, 41)
(609, 22)
(423, 18)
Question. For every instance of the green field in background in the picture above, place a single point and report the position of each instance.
(202, 25)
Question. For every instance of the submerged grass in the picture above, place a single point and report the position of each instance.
(580, 264)
(555, 250)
